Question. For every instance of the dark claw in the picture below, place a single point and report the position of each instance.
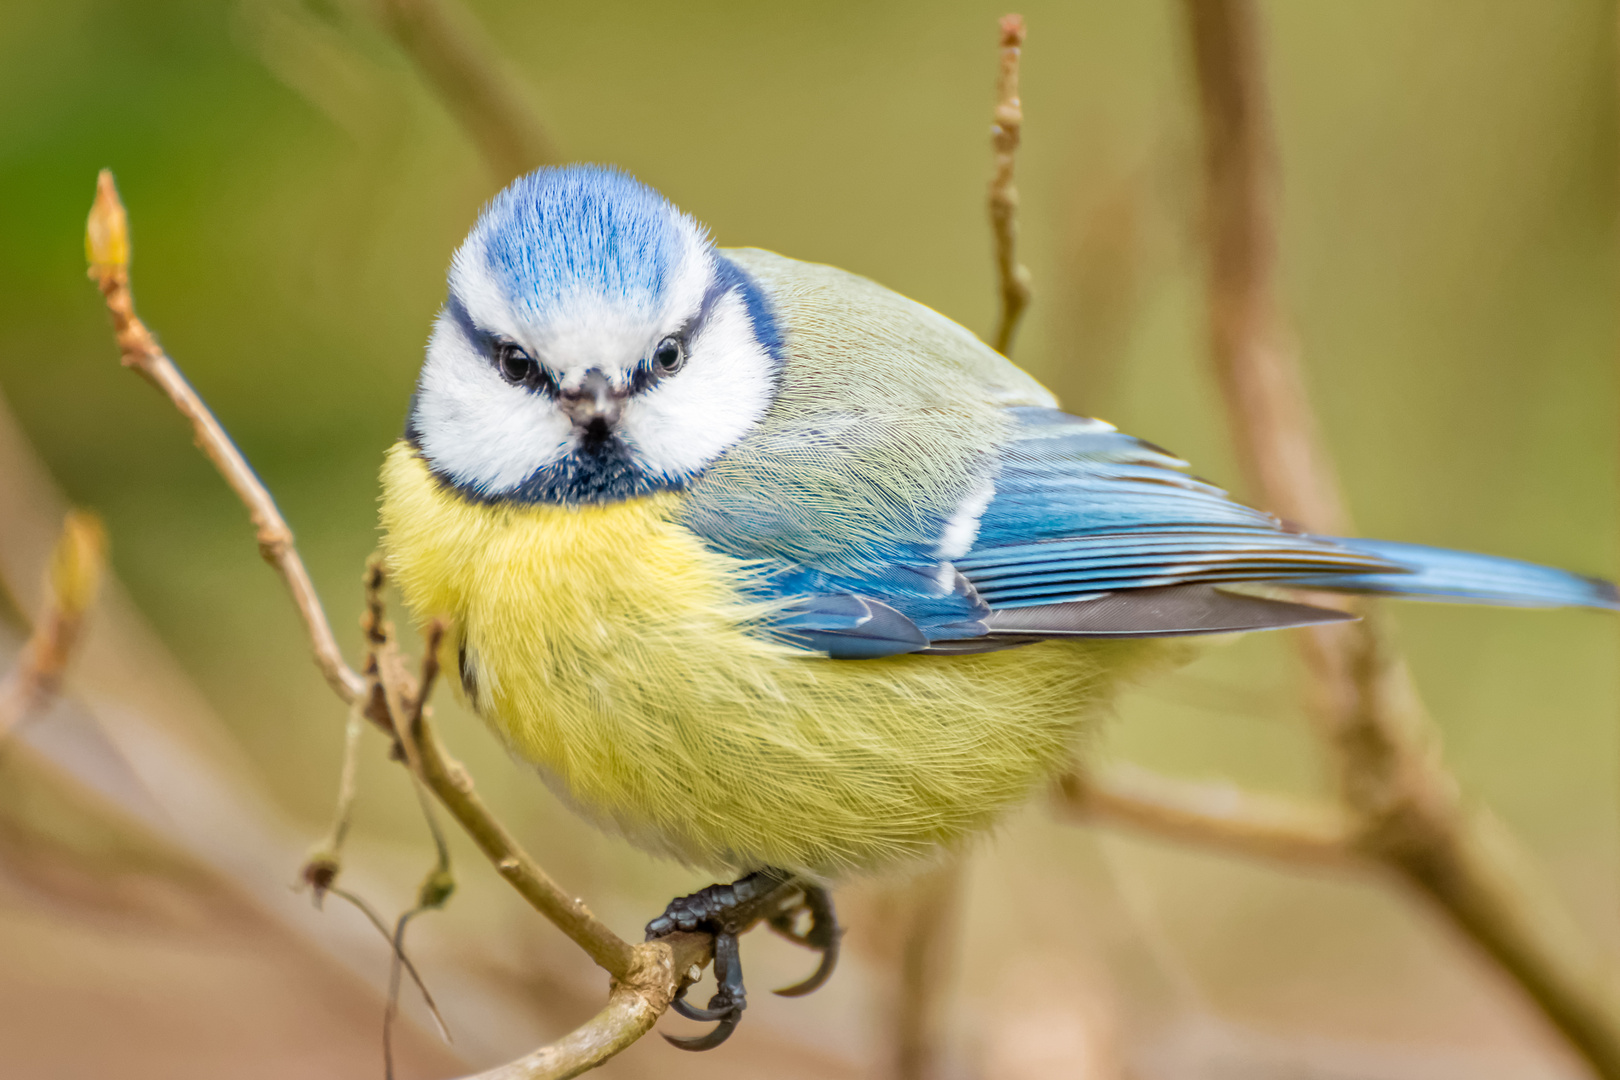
(823, 936)
(702, 1016)
(722, 1031)
(823, 972)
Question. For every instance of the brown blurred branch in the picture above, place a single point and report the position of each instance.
(929, 906)
(74, 579)
(1268, 408)
(1005, 132)
(473, 80)
(1404, 805)
(645, 976)
(1220, 816)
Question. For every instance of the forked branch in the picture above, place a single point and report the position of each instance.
(1403, 805)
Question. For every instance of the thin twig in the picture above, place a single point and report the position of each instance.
(1005, 132)
(325, 861)
(636, 1001)
(1220, 816)
(74, 579)
(440, 883)
(1404, 805)
(391, 1009)
(108, 248)
(474, 82)
(348, 778)
(399, 953)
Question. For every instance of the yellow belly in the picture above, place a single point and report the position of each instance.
(607, 645)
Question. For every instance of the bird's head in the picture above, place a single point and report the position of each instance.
(594, 347)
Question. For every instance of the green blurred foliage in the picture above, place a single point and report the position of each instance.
(1448, 244)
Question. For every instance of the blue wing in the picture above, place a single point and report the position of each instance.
(1092, 533)
(1083, 511)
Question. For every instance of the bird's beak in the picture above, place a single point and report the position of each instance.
(593, 401)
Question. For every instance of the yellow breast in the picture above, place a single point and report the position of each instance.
(610, 647)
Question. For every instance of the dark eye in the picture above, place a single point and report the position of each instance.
(517, 367)
(670, 356)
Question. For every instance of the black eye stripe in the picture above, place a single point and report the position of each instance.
(644, 375)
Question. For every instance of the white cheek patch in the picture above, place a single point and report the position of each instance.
(475, 427)
(688, 419)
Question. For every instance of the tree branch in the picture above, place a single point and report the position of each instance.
(474, 82)
(647, 976)
(634, 1005)
(1404, 805)
(453, 787)
(74, 580)
(1013, 283)
(1220, 816)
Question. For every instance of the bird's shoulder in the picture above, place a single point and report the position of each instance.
(838, 326)
(888, 420)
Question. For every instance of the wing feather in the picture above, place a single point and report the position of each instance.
(1082, 509)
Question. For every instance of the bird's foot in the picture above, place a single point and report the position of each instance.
(726, 911)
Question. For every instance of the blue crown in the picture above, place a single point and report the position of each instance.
(580, 227)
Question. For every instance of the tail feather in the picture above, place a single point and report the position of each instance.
(1464, 577)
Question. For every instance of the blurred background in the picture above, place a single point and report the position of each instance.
(296, 188)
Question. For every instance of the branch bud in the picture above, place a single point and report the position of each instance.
(436, 890)
(106, 234)
(77, 563)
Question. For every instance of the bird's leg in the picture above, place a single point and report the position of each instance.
(726, 911)
(822, 934)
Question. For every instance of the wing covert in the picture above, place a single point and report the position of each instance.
(1082, 510)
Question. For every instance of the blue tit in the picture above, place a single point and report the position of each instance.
(777, 572)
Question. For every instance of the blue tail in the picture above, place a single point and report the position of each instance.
(1463, 577)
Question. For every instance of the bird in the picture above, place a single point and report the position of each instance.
(779, 573)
